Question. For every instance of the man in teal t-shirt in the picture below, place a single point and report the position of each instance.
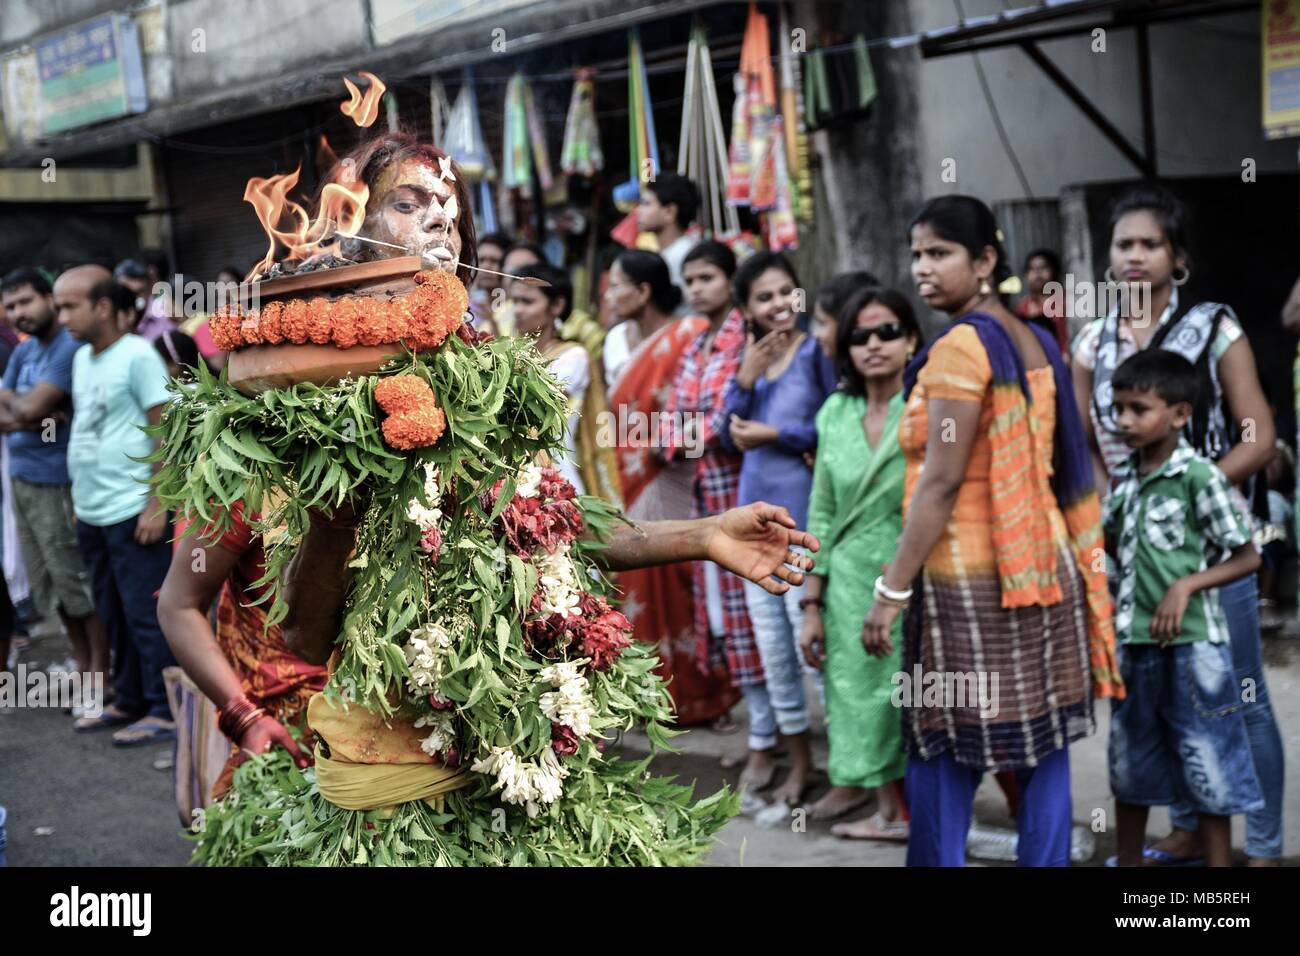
(119, 385)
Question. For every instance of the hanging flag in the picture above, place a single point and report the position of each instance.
(580, 154)
(755, 108)
(779, 223)
(643, 145)
(702, 150)
(463, 135)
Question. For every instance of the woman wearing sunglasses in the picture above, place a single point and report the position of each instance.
(1008, 616)
(856, 509)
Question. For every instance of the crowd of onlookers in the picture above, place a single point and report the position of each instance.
(1018, 448)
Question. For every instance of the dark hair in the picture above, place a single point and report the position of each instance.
(560, 286)
(133, 269)
(650, 268)
(748, 272)
(532, 247)
(836, 290)
(119, 296)
(1042, 252)
(1166, 373)
(18, 278)
(158, 260)
(185, 349)
(1168, 210)
(714, 252)
(677, 189)
(966, 221)
(847, 321)
(498, 239)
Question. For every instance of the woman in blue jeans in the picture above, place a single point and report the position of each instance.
(1232, 425)
(771, 410)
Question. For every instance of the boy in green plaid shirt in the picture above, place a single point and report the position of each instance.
(1170, 521)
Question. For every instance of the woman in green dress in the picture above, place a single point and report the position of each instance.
(856, 509)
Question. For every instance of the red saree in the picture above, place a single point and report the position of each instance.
(659, 601)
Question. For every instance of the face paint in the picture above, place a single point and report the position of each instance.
(416, 208)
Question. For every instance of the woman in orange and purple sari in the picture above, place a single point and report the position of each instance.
(658, 601)
(1011, 617)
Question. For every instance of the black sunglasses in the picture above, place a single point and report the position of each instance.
(887, 333)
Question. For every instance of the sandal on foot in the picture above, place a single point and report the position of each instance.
(147, 730)
(815, 814)
(109, 717)
(875, 827)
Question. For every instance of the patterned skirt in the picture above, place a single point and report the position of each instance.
(999, 688)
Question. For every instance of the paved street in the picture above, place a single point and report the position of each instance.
(75, 800)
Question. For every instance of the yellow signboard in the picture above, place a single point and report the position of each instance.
(1281, 63)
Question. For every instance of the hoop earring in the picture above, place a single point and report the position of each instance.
(1187, 274)
(1108, 276)
(985, 288)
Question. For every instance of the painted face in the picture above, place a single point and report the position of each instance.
(416, 207)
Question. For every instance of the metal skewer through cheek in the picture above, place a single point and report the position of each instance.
(433, 258)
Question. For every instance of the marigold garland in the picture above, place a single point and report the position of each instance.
(414, 418)
(422, 319)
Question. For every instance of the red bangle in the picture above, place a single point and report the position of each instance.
(237, 716)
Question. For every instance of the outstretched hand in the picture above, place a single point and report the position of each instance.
(756, 542)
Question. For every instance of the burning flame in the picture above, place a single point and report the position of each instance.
(363, 110)
(342, 212)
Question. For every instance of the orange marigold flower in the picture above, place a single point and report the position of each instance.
(415, 429)
(268, 321)
(318, 320)
(225, 327)
(372, 323)
(343, 322)
(437, 307)
(252, 335)
(293, 321)
(403, 393)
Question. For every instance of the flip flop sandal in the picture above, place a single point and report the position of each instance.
(893, 831)
(154, 733)
(827, 817)
(105, 720)
(1163, 859)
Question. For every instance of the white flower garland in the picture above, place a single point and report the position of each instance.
(427, 516)
(570, 704)
(528, 783)
(557, 577)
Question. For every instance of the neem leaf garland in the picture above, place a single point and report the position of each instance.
(476, 613)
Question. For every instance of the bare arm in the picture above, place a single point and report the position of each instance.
(152, 523)
(1250, 410)
(1167, 621)
(754, 542)
(183, 606)
(30, 410)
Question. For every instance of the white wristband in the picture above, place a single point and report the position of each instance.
(886, 593)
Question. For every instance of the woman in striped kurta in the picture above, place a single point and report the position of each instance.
(1009, 632)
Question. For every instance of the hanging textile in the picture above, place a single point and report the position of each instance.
(463, 135)
(752, 179)
(779, 226)
(439, 110)
(839, 85)
(524, 143)
(796, 133)
(643, 144)
(702, 149)
(580, 155)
